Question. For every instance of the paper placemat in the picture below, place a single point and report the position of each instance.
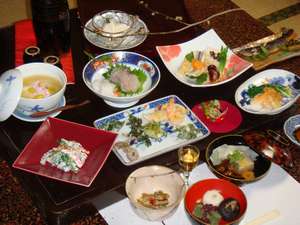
(277, 196)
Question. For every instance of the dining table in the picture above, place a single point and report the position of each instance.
(62, 203)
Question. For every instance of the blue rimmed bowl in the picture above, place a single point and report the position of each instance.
(95, 69)
(289, 127)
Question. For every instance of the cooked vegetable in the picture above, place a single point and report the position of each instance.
(153, 130)
(157, 200)
(229, 209)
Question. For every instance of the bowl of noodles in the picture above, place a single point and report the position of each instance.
(230, 158)
(121, 78)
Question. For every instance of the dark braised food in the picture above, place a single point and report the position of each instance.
(229, 209)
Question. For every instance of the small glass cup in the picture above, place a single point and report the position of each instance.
(188, 158)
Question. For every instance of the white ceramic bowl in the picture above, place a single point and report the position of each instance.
(94, 70)
(28, 106)
(150, 179)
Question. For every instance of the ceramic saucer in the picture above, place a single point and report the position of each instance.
(117, 43)
(23, 117)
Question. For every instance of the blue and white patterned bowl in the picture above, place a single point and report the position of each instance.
(290, 125)
(96, 67)
(269, 77)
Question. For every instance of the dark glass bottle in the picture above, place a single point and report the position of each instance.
(51, 21)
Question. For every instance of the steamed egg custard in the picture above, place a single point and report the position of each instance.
(40, 86)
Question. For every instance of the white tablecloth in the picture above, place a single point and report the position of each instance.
(276, 192)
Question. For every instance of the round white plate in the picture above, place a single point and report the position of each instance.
(118, 43)
(39, 119)
(11, 84)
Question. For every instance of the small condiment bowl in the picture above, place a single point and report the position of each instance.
(27, 106)
(102, 19)
(290, 126)
(150, 179)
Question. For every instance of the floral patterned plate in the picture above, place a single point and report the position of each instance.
(172, 138)
(192, 62)
(268, 92)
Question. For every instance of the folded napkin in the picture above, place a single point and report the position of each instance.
(24, 37)
(277, 194)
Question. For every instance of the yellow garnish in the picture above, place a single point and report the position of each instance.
(197, 64)
(248, 175)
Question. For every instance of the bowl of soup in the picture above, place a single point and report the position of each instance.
(43, 87)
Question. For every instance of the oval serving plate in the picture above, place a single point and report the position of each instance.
(174, 57)
(286, 84)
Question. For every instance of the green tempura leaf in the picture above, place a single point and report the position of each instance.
(189, 57)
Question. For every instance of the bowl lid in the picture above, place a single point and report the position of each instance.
(11, 84)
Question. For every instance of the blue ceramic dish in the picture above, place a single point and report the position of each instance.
(94, 70)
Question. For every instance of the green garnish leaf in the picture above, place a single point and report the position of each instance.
(202, 78)
(189, 57)
(255, 90)
(214, 218)
(222, 56)
(198, 212)
(113, 125)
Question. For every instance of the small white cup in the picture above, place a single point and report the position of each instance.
(27, 106)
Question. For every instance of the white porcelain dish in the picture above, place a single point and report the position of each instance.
(174, 55)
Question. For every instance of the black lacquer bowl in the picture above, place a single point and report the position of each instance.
(261, 164)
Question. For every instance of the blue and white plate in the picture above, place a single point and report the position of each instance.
(27, 118)
(290, 125)
(284, 82)
(159, 146)
(95, 81)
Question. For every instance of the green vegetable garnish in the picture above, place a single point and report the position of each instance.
(189, 57)
(199, 79)
(255, 90)
(137, 130)
(113, 125)
(198, 211)
(222, 56)
(235, 157)
(214, 218)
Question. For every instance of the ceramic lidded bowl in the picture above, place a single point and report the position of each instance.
(27, 106)
(150, 179)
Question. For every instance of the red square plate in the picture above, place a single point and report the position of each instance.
(98, 142)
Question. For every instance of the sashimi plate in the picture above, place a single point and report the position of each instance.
(204, 61)
(154, 137)
(269, 92)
